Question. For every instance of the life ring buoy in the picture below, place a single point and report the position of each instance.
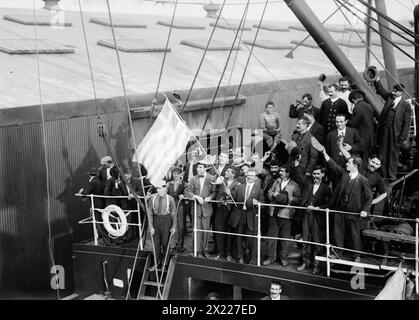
(121, 225)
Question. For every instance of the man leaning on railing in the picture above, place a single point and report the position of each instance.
(351, 194)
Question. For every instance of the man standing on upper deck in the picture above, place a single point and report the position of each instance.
(393, 127)
(330, 108)
(269, 122)
(202, 190)
(351, 194)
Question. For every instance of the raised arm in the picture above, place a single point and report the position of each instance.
(380, 89)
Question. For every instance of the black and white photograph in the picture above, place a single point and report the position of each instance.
(181, 151)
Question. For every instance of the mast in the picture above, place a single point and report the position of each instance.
(388, 52)
(310, 21)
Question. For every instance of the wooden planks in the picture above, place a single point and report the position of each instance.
(30, 46)
(39, 20)
(134, 45)
(272, 27)
(181, 25)
(269, 44)
(231, 26)
(118, 23)
(215, 45)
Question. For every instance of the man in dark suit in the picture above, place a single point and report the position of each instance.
(286, 192)
(176, 189)
(190, 167)
(308, 154)
(393, 127)
(222, 214)
(275, 292)
(298, 109)
(96, 187)
(243, 217)
(348, 137)
(330, 108)
(363, 119)
(315, 128)
(202, 190)
(315, 196)
(351, 194)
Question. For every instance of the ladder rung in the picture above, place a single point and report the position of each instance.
(144, 297)
(153, 283)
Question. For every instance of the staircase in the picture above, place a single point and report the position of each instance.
(150, 287)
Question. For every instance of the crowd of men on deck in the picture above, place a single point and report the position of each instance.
(340, 156)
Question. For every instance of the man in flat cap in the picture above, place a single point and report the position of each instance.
(202, 190)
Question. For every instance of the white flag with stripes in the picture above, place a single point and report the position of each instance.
(164, 143)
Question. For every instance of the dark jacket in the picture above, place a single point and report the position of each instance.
(95, 187)
(318, 132)
(238, 194)
(363, 120)
(294, 113)
(208, 190)
(351, 137)
(222, 194)
(402, 119)
(309, 155)
(320, 199)
(328, 112)
(360, 199)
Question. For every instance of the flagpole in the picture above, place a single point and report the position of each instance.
(183, 121)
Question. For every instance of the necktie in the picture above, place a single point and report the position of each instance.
(247, 191)
(246, 196)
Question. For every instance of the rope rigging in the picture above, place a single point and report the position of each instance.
(392, 21)
(226, 64)
(378, 32)
(374, 55)
(135, 153)
(379, 23)
(289, 54)
(202, 59)
(247, 64)
(45, 145)
(162, 65)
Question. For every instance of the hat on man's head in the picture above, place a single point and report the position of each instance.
(356, 94)
(160, 184)
(93, 171)
(105, 160)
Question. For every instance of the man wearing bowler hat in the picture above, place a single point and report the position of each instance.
(393, 127)
(363, 119)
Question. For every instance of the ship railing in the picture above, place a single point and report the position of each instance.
(329, 247)
(92, 219)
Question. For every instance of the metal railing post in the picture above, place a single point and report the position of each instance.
(194, 230)
(259, 234)
(140, 227)
(417, 256)
(92, 209)
(328, 241)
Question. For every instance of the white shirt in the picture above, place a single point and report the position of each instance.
(309, 127)
(396, 101)
(284, 183)
(315, 188)
(342, 132)
(249, 187)
(343, 95)
(229, 183)
(353, 175)
(201, 183)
